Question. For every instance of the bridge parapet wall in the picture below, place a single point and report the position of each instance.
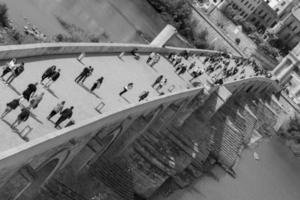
(44, 49)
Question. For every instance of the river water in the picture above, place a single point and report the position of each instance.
(119, 19)
(276, 176)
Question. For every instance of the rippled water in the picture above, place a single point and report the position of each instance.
(119, 19)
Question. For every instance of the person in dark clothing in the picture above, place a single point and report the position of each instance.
(87, 75)
(48, 73)
(182, 70)
(22, 117)
(143, 95)
(31, 89)
(53, 78)
(157, 81)
(84, 73)
(97, 84)
(15, 73)
(12, 105)
(65, 114)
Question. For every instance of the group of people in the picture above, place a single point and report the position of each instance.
(50, 75)
(159, 82)
(153, 59)
(13, 69)
(85, 73)
(218, 66)
(213, 64)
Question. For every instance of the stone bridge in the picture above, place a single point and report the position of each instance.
(128, 149)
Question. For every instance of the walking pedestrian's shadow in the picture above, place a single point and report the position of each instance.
(14, 89)
(50, 91)
(15, 130)
(35, 118)
(125, 99)
(152, 68)
(58, 127)
(89, 91)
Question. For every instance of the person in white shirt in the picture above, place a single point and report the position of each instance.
(9, 67)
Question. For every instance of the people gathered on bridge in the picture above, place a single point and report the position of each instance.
(219, 68)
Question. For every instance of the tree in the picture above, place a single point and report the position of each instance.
(4, 22)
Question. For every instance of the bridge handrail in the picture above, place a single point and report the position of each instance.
(44, 49)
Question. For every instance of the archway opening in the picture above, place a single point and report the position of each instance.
(41, 176)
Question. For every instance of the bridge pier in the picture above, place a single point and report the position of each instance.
(164, 36)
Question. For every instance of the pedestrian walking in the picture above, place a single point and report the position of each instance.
(53, 78)
(84, 72)
(151, 56)
(57, 109)
(97, 84)
(157, 81)
(129, 86)
(15, 73)
(36, 99)
(143, 95)
(10, 106)
(48, 73)
(22, 117)
(192, 65)
(8, 67)
(70, 123)
(30, 90)
(65, 114)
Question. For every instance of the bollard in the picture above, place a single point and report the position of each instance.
(99, 107)
(81, 56)
(24, 133)
(171, 88)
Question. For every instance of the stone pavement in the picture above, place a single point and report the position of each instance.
(117, 73)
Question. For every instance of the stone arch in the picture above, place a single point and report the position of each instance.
(139, 126)
(42, 174)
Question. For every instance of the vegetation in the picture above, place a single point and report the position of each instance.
(179, 14)
(292, 130)
(4, 22)
(76, 34)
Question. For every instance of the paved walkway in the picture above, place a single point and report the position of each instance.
(117, 74)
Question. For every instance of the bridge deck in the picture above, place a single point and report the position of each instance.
(117, 73)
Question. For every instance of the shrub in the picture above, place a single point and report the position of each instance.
(4, 22)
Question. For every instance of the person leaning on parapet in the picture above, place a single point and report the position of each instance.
(65, 114)
(30, 91)
(48, 73)
(22, 117)
(8, 67)
(15, 73)
(10, 106)
(57, 109)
